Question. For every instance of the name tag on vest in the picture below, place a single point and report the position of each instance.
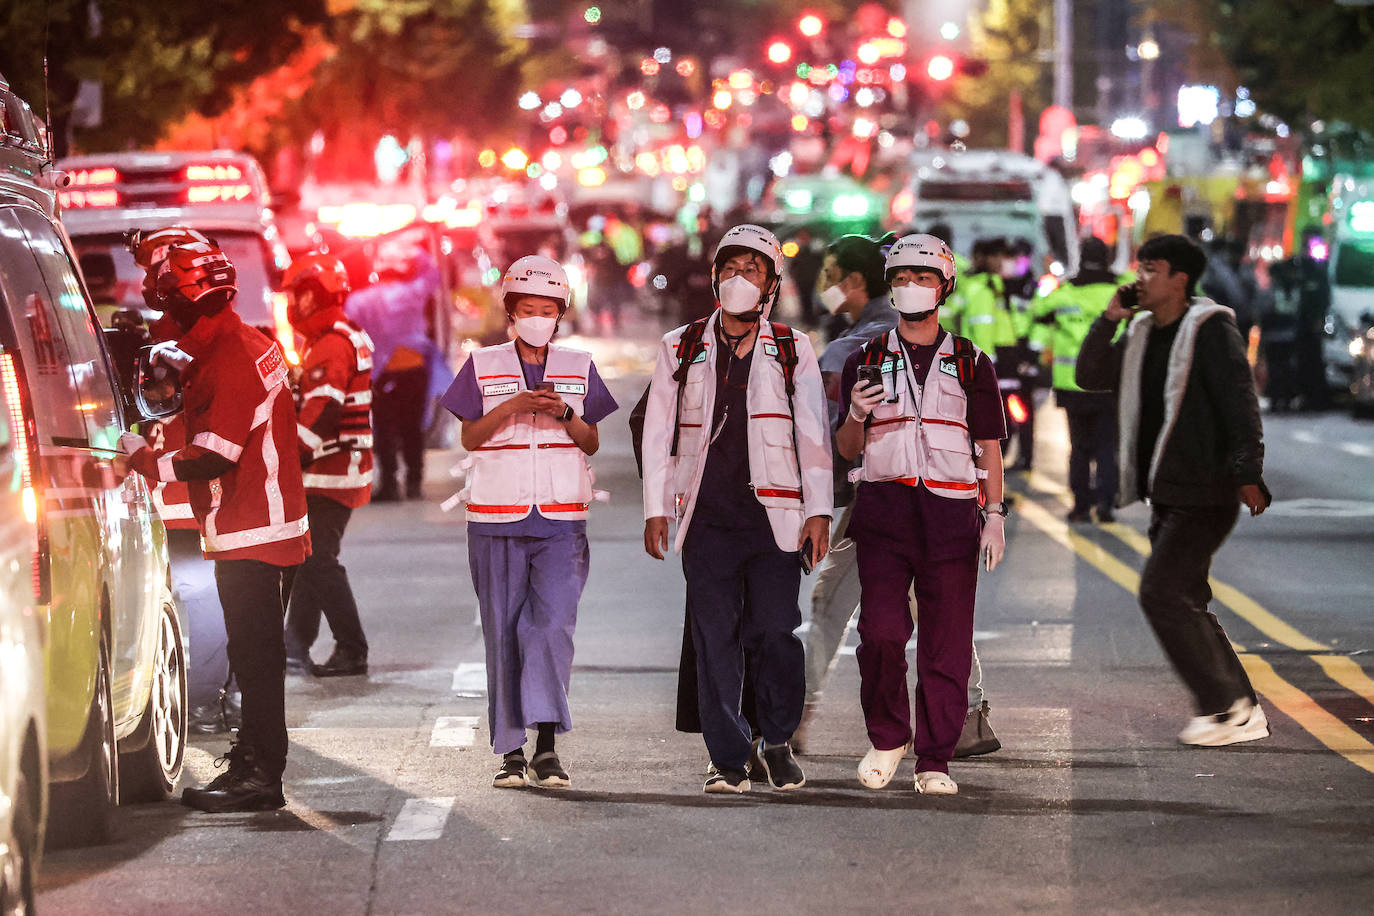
(770, 349)
(699, 358)
(888, 365)
(491, 391)
(569, 388)
(949, 366)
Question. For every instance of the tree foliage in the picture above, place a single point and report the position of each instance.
(154, 60)
(1010, 35)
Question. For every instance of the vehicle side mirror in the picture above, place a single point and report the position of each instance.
(157, 391)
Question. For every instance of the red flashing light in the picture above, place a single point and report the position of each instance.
(940, 68)
(221, 173)
(81, 200)
(87, 177)
(26, 457)
(218, 193)
(1017, 408)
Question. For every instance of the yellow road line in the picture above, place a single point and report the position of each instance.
(1294, 703)
(1341, 669)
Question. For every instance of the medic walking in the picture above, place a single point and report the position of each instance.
(737, 451)
(335, 429)
(923, 408)
(247, 497)
(529, 410)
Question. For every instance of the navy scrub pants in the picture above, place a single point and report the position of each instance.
(723, 568)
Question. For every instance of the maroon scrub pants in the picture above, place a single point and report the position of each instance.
(945, 592)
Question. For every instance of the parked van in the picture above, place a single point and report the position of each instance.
(1352, 277)
(94, 550)
(991, 193)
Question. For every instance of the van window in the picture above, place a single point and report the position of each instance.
(1355, 264)
(42, 346)
(86, 355)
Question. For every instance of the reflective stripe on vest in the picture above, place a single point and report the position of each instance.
(937, 450)
(355, 420)
(530, 461)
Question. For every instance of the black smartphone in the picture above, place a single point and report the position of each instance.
(1129, 296)
(873, 375)
(544, 386)
(807, 551)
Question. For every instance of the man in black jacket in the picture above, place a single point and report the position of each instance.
(1192, 443)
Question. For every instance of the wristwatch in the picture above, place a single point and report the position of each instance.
(567, 414)
(996, 509)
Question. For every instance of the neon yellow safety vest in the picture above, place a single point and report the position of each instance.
(982, 315)
(1060, 323)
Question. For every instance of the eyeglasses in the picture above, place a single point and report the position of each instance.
(750, 271)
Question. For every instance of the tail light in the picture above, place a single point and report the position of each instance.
(286, 335)
(1017, 407)
(25, 441)
(91, 188)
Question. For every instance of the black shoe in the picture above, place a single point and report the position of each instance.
(548, 772)
(718, 781)
(252, 790)
(341, 664)
(1105, 515)
(296, 664)
(239, 759)
(977, 737)
(755, 769)
(512, 772)
(781, 768)
(413, 490)
(1080, 517)
(387, 495)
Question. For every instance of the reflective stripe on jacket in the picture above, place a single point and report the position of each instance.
(930, 442)
(335, 421)
(530, 461)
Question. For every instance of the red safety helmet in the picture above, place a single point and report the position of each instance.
(323, 276)
(150, 247)
(195, 279)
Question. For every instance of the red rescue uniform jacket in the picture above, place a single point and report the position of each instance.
(335, 420)
(242, 463)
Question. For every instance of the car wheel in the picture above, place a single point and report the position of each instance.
(83, 811)
(17, 858)
(150, 770)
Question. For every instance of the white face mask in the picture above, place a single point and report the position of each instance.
(536, 330)
(913, 301)
(832, 298)
(738, 296)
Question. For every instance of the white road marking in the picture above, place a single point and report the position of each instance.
(1358, 449)
(1312, 507)
(421, 819)
(454, 731)
(470, 679)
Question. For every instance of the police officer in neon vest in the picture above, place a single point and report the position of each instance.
(743, 465)
(1061, 321)
(927, 444)
(529, 410)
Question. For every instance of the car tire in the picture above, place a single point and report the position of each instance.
(150, 768)
(21, 848)
(82, 812)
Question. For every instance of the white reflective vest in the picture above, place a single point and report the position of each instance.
(924, 436)
(530, 462)
(789, 448)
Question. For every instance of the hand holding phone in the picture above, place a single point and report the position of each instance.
(873, 376)
(1124, 304)
(807, 556)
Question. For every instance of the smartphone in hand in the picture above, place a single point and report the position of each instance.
(544, 386)
(1128, 296)
(808, 551)
(873, 375)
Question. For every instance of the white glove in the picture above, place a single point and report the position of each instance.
(993, 543)
(131, 442)
(171, 355)
(861, 403)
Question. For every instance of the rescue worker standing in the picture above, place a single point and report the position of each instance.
(929, 433)
(1192, 443)
(335, 431)
(736, 450)
(248, 499)
(529, 410)
(1062, 319)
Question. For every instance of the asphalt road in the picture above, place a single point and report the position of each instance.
(1090, 806)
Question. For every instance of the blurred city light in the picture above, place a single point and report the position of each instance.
(592, 15)
(810, 25)
(592, 177)
(530, 101)
(1198, 105)
(486, 158)
(940, 68)
(686, 67)
(722, 99)
(515, 159)
(635, 100)
(1148, 49)
(663, 55)
(570, 98)
(1130, 128)
(949, 31)
(779, 52)
(868, 53)
(896, 28)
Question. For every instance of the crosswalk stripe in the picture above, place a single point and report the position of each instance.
(421, 819)
(454, 731)
(470, 680)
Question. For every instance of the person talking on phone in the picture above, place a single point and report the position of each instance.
(529, 410)
(1192, 443)
(923, 409)
(737, 451)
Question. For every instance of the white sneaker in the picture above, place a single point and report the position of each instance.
(877, 767)
(932, 783)
(1244, 721)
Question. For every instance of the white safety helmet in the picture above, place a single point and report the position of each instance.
(536, 275)
(923, 251)
(753, 238)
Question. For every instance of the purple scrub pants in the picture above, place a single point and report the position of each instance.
(944, 648)
(527, 593)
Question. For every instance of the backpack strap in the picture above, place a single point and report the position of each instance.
(689, 348)
(787, 356)
(966, 361)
